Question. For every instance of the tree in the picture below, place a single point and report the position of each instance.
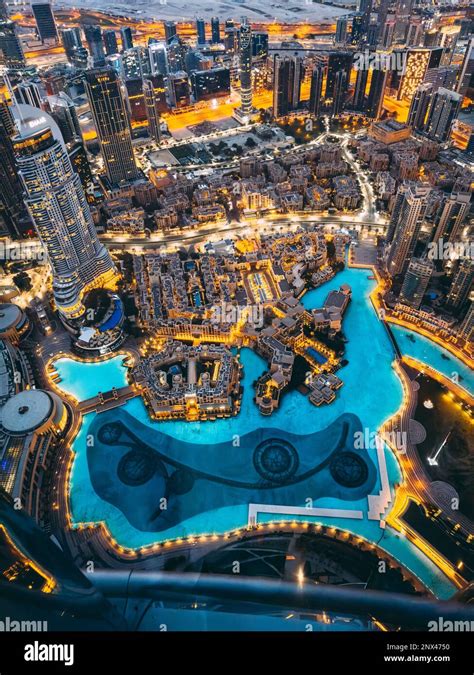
(22, 281)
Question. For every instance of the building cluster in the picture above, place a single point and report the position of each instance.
(168, 287)
(129, 221)
(290, 336)
(67, 174)
(314, 180)
(249, 295)
(32, 420)
(193, 383)
(428, 240)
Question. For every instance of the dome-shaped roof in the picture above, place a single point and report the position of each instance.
(25, 412)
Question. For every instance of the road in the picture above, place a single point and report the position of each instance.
(243, 229)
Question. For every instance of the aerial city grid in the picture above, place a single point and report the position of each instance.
(236, 312)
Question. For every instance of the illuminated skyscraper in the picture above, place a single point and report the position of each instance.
(407, 218)
(170, 30)
(339, 92)
(419, 106)
(387, 32)
(414, 32)
(179, 90)
(64, 114)
(418, 63)
(338, 62)
(71, 39)
(135, 98)
(230, 39)
(260, 45)
(211, 83)
(246, 67)
(358, 101)
(176, 51)
(365, 9)
(158, 58)
(111, 121)
(61, 215)
(28, 92)
(341, 30)
(357, 30)
(136, 63)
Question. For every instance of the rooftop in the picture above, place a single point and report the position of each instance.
(26, 411)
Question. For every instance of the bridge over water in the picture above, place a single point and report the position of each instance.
(107, 400)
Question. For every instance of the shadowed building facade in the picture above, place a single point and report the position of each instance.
(111, 121)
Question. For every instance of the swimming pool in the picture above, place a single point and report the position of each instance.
(371, 391)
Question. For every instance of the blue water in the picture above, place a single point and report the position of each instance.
(115, 317)
(426, 351)
(84, 380)
(319, 358)
(371, 390)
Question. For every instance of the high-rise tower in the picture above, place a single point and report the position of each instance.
(11, 202)
(246, 67)
(152, 93)
(376, 93)
(287, 77)
(215, 30)
(444, 109)
(201, 31)
(407, 217)
(452, 217)
(316, 91)
(57, 204)
(461, 286)
(416, 282)
(95, 43)
(111, 121)
(11, 51)
(45, 23)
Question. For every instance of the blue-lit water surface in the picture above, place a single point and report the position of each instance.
(371, 390)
